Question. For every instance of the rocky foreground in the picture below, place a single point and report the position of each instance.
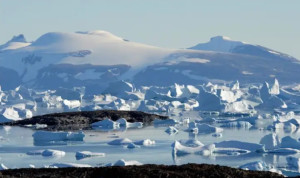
(82, 120)
(188, 170)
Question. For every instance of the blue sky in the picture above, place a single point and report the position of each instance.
(165, 23)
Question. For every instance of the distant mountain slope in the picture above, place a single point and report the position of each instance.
(95, 59)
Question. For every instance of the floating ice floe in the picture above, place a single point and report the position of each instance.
(122, 162)
(171, 130)
(106, 124)
(9, 114)
(86, 154)
(58, 136)
(179, 149)
(132, 146)
(120, 141)
(165, 122)
(123, 123)
(53, 153)
(146, 142)
(3, 167)
(65, 165)
(253, 147)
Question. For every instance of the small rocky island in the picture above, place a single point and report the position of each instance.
(82, 120)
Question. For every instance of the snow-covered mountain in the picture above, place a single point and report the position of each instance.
(97, 58)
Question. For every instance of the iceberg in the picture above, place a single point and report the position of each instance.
(123, 123)
(289, 142)
(205, 128)
(179, 149)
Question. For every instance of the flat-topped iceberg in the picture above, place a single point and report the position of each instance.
(289, 142)
(58, 136)
(203, 128)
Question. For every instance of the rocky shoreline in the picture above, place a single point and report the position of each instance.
(186, 171)
(82, 120)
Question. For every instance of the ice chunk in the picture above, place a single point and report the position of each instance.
(240, 145)
(122, 162)
(71, 104)
(171, 130)
(120, 141)
(256, 166)
(193, 127)
(146, 142)
(179, 149)
(289, 142)
(132, 146)
(64, 165)
(86, 154)
(106, 124)
(3, 167)
(209, 101)
(270, 141)
(53, 153)
(58, 136)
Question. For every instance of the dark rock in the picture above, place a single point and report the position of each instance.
(84, 119)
